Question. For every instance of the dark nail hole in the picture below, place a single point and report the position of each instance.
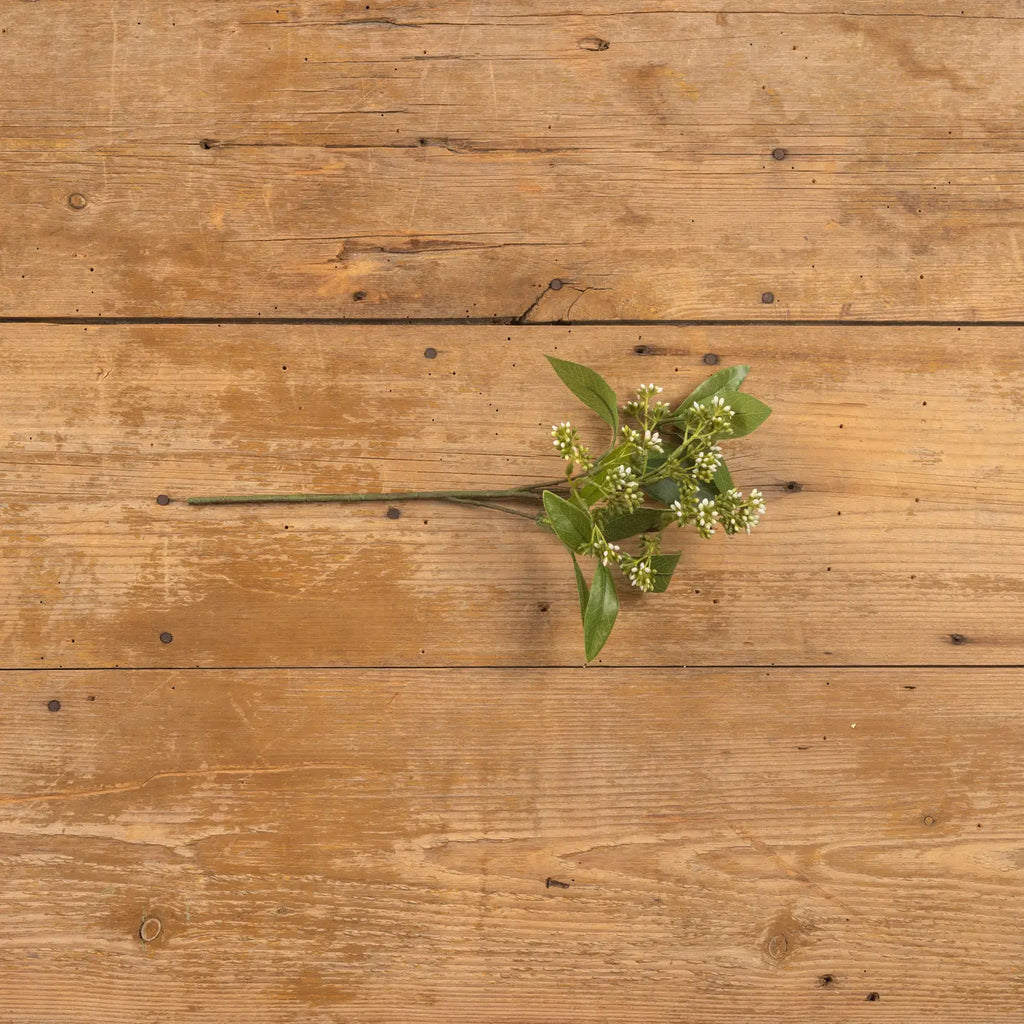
(827, 980)
(957, 639)
(53, 705)
(555, 284)
(430, 353)
(555, 883)
(710, 359)
(77, 201)
(91, 696)
(908, 687)
(794, 486)
(208, 143)
(162, 499)
(358, 296)
(542, 606)
(642, 350)
(873, 997)
(166, 638)
(767, 298)
(394, 513)
(779, 153)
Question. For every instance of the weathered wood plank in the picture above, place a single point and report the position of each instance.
(375, 846)
(892, 469)
(440, 159)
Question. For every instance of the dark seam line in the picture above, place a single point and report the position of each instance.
(496, 321)
(496, 668)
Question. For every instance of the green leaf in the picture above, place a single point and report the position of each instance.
(663, 566)
(748, 412)
(581, 589)
(572, 524)
(665, 491)
(629, 524)
(723, 479)
(590, 388)
(602, 609)
(728, 379)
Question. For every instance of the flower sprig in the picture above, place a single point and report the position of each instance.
(664, 466)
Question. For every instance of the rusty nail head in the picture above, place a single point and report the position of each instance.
(779, 154)
(767, 298)
(166, 638)
(556, 284)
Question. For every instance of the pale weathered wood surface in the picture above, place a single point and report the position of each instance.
(365, 781)
(452, 159)
(376, 846)
(892, 469)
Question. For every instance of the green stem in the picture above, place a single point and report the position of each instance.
(526, 491)
(497, 508)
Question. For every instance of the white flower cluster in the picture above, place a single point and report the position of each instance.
(567, 440)
(737, 514)
(640, 574)
(625, 488)
(703, 515)
(601, 549)
(643, 408)
(715, 417)
(707, 462)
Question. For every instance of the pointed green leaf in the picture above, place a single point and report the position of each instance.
(663, 566)
(572, 524)
(728, 379)
(602, 609)
(590, 388)
(629, 524)
(748, 412)
(581, 589)
(665, 491)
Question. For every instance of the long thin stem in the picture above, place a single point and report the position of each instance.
(525, 491)
(497, 508)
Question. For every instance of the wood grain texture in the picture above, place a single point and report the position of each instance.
(891, 465)
(451, 159)
(377, 846)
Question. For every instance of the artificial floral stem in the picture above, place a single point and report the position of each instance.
(526, 491)
(497, 508)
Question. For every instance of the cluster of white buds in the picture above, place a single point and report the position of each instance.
(625, 488)
(567, 440)
(703, 515)
(737, 514)
(706, 463)
(641, 406)
(640, 574)
(715, 417)
(631, 436)
(603, 550)
(721, 414)
(652, 440)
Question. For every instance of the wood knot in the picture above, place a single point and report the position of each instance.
(150, 928)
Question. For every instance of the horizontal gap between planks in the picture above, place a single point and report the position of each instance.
(498, 668)
(483, 321)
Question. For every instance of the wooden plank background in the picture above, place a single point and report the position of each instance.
(316, 764)
(452, 159)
